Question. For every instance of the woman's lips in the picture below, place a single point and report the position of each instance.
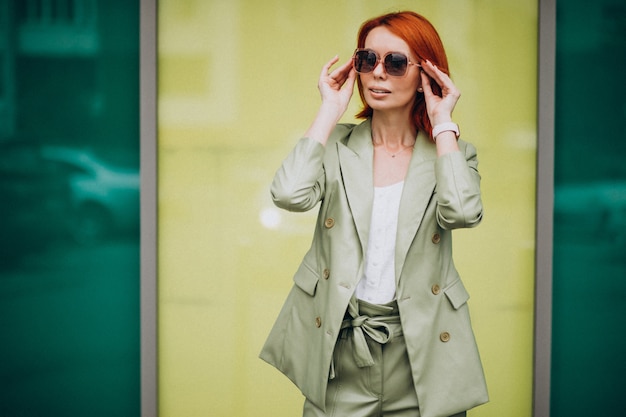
(379, 93)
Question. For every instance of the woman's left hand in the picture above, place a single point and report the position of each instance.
(439, 108)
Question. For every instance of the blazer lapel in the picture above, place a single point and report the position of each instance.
(356, 160)
(419, 185)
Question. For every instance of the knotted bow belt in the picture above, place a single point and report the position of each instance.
(381, 323)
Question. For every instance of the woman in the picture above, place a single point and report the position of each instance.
(377, 322)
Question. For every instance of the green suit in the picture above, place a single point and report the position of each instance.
(440, 194)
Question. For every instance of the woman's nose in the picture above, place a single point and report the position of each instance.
(379, 70)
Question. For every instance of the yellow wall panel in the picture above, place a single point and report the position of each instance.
(237, 87)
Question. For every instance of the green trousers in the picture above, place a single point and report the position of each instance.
(371, 373)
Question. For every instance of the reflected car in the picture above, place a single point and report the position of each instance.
(104, 197)
(598, 208)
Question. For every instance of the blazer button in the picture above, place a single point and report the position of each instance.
(436, 238)
(330, 222)
(444, 337)
(318, 322)
(326, 273)
(436, 289)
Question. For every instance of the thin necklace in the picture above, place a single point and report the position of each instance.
(393, 155)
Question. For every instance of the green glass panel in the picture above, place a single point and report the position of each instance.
(69, 208)
(589, 303)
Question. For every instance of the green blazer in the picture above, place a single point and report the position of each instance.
(439, 194)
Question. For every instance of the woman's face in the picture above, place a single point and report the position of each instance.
(384, 92)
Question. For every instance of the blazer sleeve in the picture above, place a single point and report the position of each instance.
(298, 184)
(459, 202)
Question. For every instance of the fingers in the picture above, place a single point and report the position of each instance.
(346, 67)
(439, 108)
(336, 86)
(326, 67)
(428, 90)
(349, 82)
(343, 72)
(338, 77)
(440, 77)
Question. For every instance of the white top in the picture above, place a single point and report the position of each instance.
(378, 284)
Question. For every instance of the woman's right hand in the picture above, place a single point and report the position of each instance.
(336, 87)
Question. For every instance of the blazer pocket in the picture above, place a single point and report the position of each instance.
(456, 294)
(306, 279)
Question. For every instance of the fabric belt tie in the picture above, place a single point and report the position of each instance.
(380, 328)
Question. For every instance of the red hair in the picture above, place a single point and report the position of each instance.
(423, 40)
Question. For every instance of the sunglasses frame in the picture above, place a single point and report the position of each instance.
(380, 60)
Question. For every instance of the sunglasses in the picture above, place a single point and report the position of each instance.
(395, 63)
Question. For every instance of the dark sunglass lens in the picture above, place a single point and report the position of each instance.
(395, 64)
(365, 61)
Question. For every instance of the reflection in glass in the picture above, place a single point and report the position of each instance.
(589, 302)
(69, 207)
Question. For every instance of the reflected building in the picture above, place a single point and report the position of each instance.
(65, 64)
(54, 32)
